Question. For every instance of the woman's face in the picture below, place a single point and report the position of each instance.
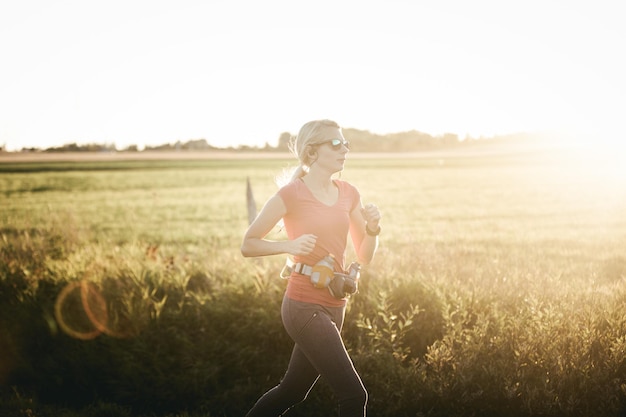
(331, 153)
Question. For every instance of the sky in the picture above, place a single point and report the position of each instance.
(235, 72)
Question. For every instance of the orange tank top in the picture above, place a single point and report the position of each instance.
(331, 224)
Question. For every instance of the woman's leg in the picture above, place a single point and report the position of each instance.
(297, 381)
(316, 331)
(293, 388)
(318, 350)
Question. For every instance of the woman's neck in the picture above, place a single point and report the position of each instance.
(318, 181)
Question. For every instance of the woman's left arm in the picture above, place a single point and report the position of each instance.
(364, 229)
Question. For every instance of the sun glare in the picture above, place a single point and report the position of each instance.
(599, 160)
(150, 77)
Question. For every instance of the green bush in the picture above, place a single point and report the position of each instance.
(173, 342)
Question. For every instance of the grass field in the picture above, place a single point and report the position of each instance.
(498, 289)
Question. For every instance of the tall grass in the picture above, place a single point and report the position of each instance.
(498, 289)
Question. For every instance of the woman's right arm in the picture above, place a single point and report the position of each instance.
(254, 242)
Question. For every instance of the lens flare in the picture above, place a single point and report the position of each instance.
(94, 305)
(71, 315)
(82, 311)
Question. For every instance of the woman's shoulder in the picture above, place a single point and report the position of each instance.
(345, 185)
(291, 188)
(292, 185)
(349, 191)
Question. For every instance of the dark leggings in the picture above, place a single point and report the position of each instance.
(319, 350)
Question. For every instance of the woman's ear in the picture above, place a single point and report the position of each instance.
(311, 156)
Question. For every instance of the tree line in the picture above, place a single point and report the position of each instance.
(360, 140)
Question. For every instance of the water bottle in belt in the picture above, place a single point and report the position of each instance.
(323, 272)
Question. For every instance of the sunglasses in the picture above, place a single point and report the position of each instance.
(337, 143)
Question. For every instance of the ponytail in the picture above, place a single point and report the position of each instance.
(299, 172)
(290, 174)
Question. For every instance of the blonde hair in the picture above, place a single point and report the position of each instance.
(311, 134)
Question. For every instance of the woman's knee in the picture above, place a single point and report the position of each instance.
(356, 394)
(361, 396)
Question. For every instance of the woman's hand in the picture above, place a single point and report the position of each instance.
(371, 214)
(303, 245)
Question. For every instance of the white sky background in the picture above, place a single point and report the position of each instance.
(242, 72)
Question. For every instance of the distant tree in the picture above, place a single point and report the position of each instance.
(197, 144)
(449, 139)
(283, 141)
(164, 147)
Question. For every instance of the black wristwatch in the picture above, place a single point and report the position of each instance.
(372, 232)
